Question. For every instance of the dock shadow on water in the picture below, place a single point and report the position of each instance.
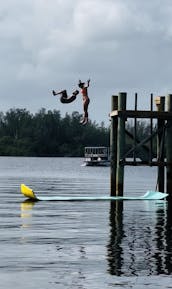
(137, 250)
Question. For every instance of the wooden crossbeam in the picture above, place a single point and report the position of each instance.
(143, 163)
(142, 114)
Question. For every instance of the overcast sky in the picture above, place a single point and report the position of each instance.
(121, 45)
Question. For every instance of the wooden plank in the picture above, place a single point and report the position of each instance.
(143, 163)
(142, 114)
(143, 153)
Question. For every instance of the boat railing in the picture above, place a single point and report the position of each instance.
(96, 151)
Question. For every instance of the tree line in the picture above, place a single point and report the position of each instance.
(47, 133)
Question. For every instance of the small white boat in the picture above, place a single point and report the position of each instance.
(97, 156)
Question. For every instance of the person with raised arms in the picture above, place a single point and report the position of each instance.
(86, 100)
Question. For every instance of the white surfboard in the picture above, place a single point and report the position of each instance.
(29, 193)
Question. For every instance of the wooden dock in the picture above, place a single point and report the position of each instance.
(119, 116)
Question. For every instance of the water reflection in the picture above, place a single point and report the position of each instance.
(139, 244)
(139, 247)
(114, 248)
(26, 213)
(163, 256)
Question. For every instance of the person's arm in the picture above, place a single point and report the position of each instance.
(88, 83)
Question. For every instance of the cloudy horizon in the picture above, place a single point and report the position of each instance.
(119, 45)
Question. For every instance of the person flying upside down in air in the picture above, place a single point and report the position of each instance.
(64, 97)
(86, 100)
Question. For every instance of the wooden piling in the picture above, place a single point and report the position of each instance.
(135, 130)
(113, 144)
(160, 104)
(151, 132)
(121, 144)
(169, 149)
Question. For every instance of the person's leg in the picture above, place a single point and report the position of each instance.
(66, 99)
(63, 92)
(85, 119)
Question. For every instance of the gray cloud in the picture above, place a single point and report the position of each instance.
(120, 45)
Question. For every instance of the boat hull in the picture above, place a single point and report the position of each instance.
(97, 163)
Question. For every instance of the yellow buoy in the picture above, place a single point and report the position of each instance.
(27, 192)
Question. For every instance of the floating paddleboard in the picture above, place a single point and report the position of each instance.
(29, 193)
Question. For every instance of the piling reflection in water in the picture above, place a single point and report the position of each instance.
(163, 256)
(114, 248)
(133, 250)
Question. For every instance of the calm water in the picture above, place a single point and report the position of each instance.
(81, 245)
